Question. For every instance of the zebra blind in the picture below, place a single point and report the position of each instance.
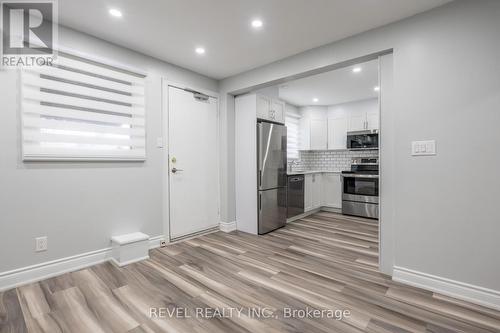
(292, 126)
(82, 110)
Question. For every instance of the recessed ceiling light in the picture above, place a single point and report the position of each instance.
(377, 88)
(115, 12)
(257, 23)
(357, 69)
(200, 50)
(315, 100)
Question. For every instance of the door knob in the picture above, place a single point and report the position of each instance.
(174, 170)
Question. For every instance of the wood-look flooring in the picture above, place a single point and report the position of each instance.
(325, 261)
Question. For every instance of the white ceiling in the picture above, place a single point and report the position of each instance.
(171, 29)
(334, 87)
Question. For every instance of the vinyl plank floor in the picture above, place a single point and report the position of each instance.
(322, 262)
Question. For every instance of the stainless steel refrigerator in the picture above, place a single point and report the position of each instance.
(271, 177)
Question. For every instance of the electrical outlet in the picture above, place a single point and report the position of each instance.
(163, 243)
(41, 244)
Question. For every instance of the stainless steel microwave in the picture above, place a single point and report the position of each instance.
(367, 139)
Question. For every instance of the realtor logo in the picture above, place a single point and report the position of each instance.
(29, 32)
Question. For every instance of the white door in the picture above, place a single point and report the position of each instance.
(319, 134)
(308, 192)
(332, 189)
(337, 132)
(279, 110)
(193, 163)
(317, 190)
(263, 106)
(372, 120)
(357, 121)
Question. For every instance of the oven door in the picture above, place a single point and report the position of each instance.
(362, 188)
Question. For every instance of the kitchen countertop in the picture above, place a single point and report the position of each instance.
(293, 173)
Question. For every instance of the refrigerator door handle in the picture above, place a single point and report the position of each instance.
(260, 202)
(260, 178)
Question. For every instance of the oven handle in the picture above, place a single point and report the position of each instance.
(359, 176)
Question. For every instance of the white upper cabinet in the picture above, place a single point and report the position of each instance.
(359, 121)
(372, 120)
(277, 111)
(337, 132)
(319, 134)
(270, 109)
(263, 106)
(325, 128)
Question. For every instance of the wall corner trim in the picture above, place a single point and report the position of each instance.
(478, 295)
(227, 226)
(25, 275)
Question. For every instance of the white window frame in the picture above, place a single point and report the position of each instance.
(66, 116)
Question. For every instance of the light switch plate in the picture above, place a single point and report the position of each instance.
(423, 148)
(159, 142)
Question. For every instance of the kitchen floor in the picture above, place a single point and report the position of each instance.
(324, 261)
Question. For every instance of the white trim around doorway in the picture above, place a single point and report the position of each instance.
(165, 83)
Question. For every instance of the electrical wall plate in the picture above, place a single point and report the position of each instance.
(41, 244)
(423, 148)
(159, 142)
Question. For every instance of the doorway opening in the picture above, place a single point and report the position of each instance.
(335, 142)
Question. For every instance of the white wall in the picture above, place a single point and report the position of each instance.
(447, 88)
(357, 107)
(80, 205)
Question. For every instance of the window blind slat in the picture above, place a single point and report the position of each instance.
(85, 79)
(36, 152)
(37, 122)
(36, 136)
(35, 81)
(46, 97)
(34, 109)
(98, 70)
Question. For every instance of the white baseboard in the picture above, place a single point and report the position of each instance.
(38, 272)
(155, 242)
(227, 226)
(331, 209)
(464, 291)
(300, 216)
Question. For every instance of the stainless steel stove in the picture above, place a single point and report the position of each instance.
(360, 188)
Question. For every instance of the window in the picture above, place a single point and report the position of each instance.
(82, 110)
(293, 135)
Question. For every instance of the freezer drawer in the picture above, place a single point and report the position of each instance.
(271, 145)
(272, 209)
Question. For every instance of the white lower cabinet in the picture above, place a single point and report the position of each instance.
(322, 189)
(332, 190)
(313, 191)
(308, 192)
(317, 187)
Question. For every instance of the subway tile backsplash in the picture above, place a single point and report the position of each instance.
(330, 160)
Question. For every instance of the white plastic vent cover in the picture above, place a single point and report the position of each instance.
(82, 110)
